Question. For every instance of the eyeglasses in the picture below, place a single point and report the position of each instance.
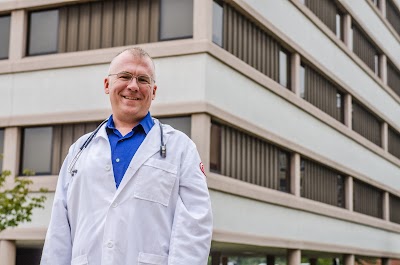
(140, 79)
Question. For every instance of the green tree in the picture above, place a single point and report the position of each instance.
(16, 203)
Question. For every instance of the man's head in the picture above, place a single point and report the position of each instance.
(131, 85)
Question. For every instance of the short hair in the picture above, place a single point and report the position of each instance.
(136, 51)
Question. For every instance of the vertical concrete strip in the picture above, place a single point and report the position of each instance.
(8, 252)
(348, 259)
(293, 256)
(18, 34)
(200, 134)
(202, 19)
(295, 174)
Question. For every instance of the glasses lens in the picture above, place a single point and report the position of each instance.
(124, 76)
(143, 79)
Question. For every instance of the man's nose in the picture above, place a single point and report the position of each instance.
(133, 84)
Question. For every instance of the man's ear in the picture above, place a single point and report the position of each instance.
(106, 86)
(154, 92)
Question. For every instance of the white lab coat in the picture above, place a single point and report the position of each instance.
(160, 214)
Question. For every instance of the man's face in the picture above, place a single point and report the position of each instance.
(130, 99)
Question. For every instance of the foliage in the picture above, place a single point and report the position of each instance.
(16, 203)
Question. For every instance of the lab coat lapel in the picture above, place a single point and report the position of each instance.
(148, 148)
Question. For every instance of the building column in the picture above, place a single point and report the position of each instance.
(293, 256)
(348, 259)
(382, 7)
(202, 19)
(348, 196)
(295, 73)
(18, 34)
(295, 174)
(383, 68)
(11, 152)
(386, 206)
(348, 111)
(200, 134)
(347, 31)
(8, 252)
(384, 135)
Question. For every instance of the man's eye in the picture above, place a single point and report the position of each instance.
(124, 77)
(143, 79)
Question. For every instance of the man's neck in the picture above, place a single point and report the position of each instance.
(124, 127)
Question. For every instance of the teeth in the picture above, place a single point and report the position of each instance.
(130, 98)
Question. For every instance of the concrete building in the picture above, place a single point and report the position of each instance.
(294, 106)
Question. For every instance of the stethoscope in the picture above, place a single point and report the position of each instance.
(72, 170)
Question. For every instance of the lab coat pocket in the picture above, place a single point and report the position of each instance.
(146, 258)
(155, 181)
(80, 260)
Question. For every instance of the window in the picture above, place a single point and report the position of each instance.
(367, 199)
(394, 208)
(218, 19)
(36, 150)
(393, 15)
(365, 49)
(244, 157)
(183, 124)
(393, 77)
(319, 91)
(366, 124)
(393, 142)
(1, 148)
(28, 255)
(320, 183)
(43, 32)
(176, 19)
(44, 148)
(250, 43)
(4, 36)
(284, 69)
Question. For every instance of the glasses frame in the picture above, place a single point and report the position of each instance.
(136, 77)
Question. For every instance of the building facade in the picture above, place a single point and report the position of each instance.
(294, 106)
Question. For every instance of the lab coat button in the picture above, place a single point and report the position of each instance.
(110, 244)
(115, 204)
(108, 167)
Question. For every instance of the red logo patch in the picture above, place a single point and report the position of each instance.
(202, 168)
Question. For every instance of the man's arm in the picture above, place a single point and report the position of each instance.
(58, 244)
(192, 226)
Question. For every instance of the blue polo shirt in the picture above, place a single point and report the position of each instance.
(123, 148)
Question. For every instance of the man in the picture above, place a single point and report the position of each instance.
(123, 201)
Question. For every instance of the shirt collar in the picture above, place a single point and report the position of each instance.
(146, 123)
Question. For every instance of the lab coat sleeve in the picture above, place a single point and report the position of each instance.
(192, 225)
(58, 244)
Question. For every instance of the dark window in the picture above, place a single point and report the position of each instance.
(367, 199)
(4, 36)
(284, 69)
(247, 158)
(329, 14)
(393, 77)
(28, 255)
(1, 148)
(176, 19)
(393, 15)
(321, 183)
(250, 43)
(183, 124)
(366, 123)
(393, 142)
(36, 150)
(365, 49)
(44, 148)
(394, 208)
(218, 20)
(322, 93)
(43, 32)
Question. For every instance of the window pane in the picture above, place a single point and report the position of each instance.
(182, 124)
(176, 19)
(302, 81)
(4, 36)
(215, 148)
(218, 15)
(43, 32)
(36, 153)
(283, 69)
(28, 255)
(284, 172)
(1, 148)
